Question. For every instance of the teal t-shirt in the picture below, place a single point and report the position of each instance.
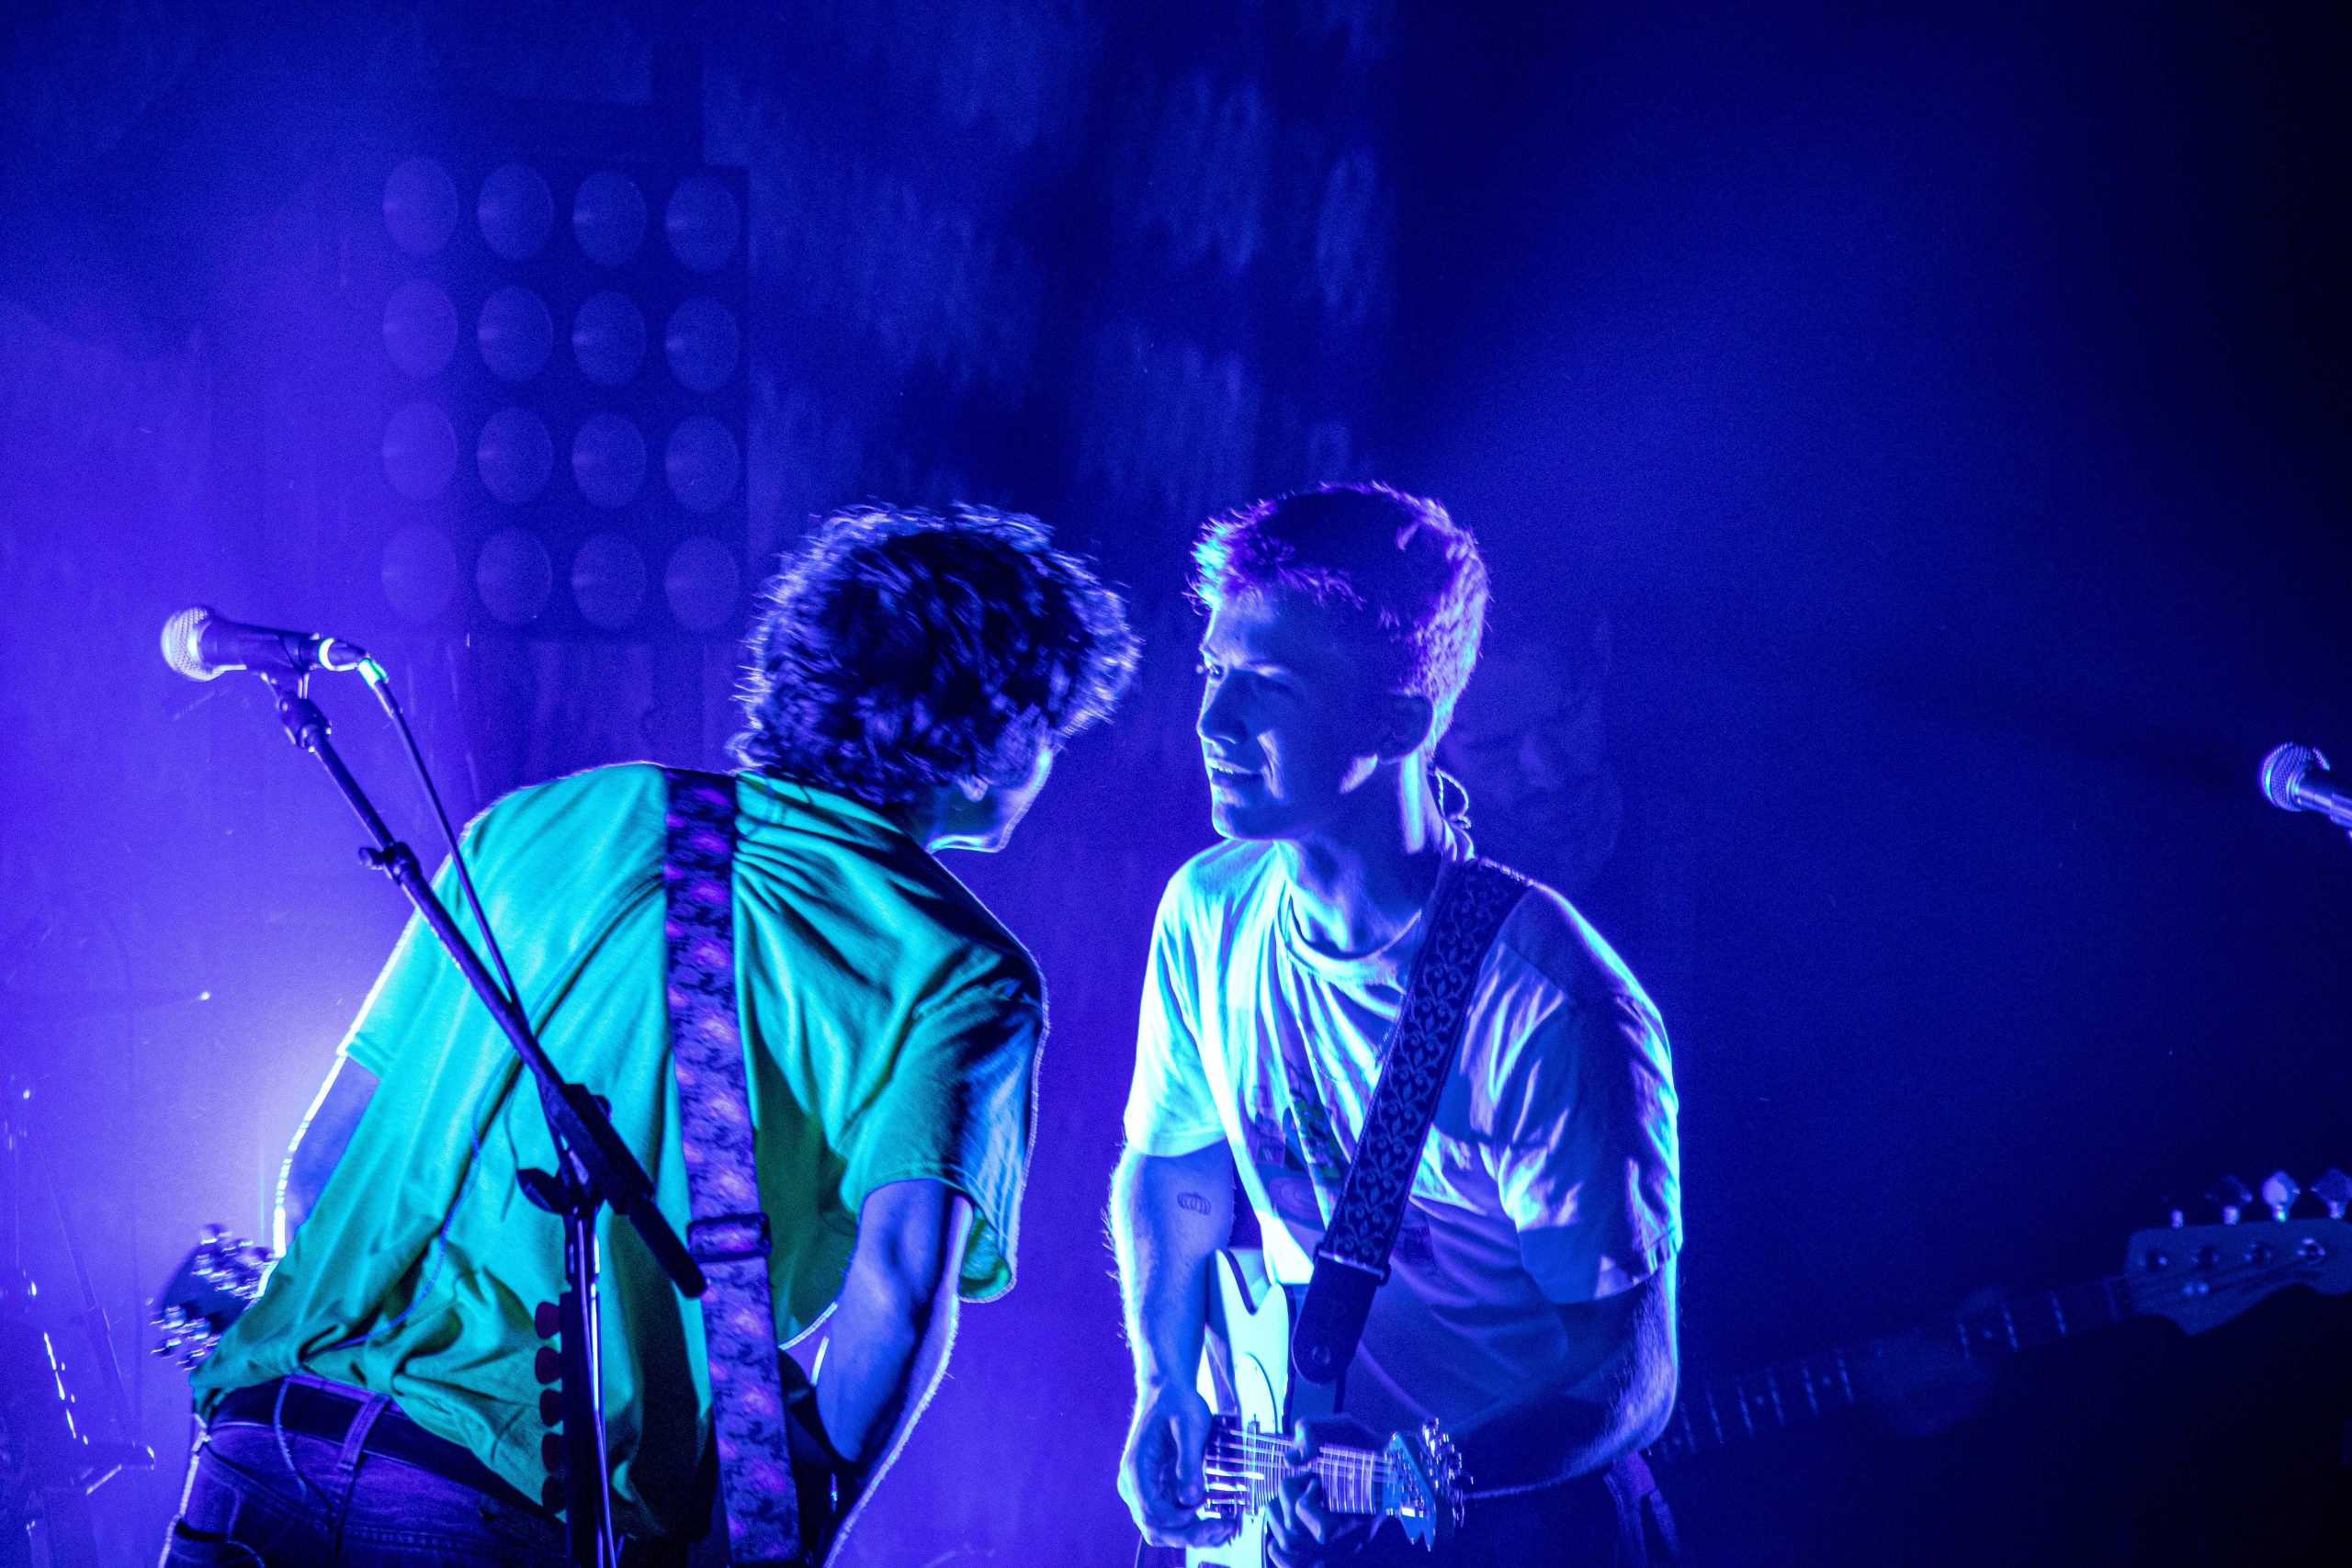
(891, 1029)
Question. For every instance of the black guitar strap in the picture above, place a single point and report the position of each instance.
(1473, 899)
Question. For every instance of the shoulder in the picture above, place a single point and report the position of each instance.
(572, 816)
(1210, 888)
(1547, 946)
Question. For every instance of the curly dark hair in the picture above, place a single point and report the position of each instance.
(899, 651)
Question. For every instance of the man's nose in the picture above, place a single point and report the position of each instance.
(1220, 715)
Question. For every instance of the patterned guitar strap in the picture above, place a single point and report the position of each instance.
(1473, 897)
(729, 1233)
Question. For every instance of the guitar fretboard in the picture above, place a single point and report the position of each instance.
(1245, 1467)
(1724, 1411)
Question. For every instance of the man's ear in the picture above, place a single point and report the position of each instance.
(1406, 722)
(974, 788)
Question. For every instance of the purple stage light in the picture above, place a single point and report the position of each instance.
(419, 573)
(608, 216)
(420, 328)
(515, 456)
(513, 576)
(516, 212)
(608, 460)
(516, 333)
(609, 338)
(420, 451)
(421, 207)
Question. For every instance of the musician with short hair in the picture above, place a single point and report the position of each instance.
(1530, 1302)
(911, 678)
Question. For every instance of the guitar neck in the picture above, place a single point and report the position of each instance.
(1721, 1412)
(1355, 1481)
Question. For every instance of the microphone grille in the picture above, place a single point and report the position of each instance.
(2283, 772)
(184, 642)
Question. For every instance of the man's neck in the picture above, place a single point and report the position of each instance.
(1362, 877)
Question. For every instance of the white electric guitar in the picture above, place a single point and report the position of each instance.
(1416, 1479)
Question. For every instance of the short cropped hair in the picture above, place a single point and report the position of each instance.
(899, 651)
(1396, 565)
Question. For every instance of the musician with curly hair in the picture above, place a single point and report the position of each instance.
(911, 678)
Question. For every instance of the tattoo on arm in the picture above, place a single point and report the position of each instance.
(1194, 1202)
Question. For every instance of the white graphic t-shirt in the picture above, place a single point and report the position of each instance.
(1548, 1178)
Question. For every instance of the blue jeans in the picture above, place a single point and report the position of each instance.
(264, 1497)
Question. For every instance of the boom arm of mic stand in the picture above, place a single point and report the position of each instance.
(596, 1167)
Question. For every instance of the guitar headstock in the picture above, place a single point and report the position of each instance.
(213, 1284)
(1427, 1477)
(2202, 1276)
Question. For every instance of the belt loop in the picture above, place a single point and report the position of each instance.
(356, 1438)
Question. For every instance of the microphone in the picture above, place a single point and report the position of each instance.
(203, 646)
(2294, 778)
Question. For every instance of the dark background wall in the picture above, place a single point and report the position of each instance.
(1946, 406)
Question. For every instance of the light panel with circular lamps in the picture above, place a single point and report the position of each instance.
(419, 572)
(420, 451)
(701, 582)
(420, 208)
(420, 328)
(609, 338)
(703, 221)
(608, 582)
(702, 463)
(515, 456)
(608, 217)
(513, 576)
(516, 332)
(516, 212)
(608, 459)
(703, 344)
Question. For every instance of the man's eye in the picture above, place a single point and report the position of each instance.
(1204, 669)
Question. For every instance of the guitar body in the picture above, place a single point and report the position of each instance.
(1245, 1374)
(1245, 1378)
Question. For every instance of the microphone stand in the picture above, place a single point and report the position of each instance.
(594, 1168)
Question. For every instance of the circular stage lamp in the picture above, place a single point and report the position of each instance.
(608, 217)
(420, 328)
(608, 582)
(516, 212)
(516, 333)
(609, 338)
(515, 456)
(513, 576)
(420, 451)
(608, 459)
(420, 206)
(703, 222)
(703, 344)
(701, 582)
(702, 463)
(419, 572)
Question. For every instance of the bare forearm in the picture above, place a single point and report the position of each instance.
(1621, 1406)
(1169, 1216)
(880, 1369)
(895, 1319)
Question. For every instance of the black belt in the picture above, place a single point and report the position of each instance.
(327, 1414)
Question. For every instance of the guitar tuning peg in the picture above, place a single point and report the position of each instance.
(2231, 1196)
(2335, 1190)
(2280, 1191)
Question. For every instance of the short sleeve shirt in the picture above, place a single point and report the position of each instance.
(891, 1029)
(1549, 1177)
